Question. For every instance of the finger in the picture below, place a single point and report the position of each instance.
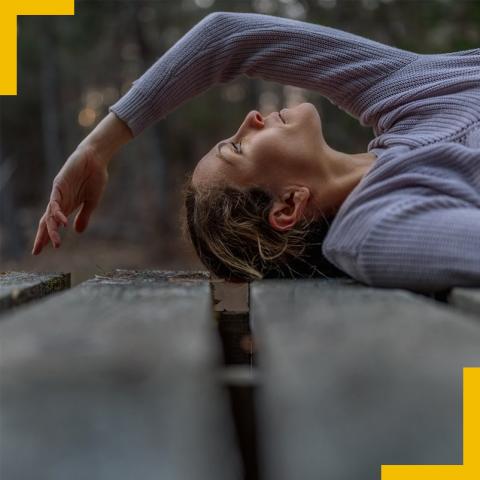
(36, 242)
(55, 209)
(40, 237)
(44, 240)
(52, 228)
(61, 217)
(65, 219)
(83, 216)
(56, 199)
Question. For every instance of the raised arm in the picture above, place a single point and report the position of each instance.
(224, 45)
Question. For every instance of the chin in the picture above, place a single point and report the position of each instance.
(311, 111)
(307, 108)
(305, 115)
(312, 107)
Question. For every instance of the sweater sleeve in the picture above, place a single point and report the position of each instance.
(223, 45)
(413, 222)
(423, 245)
(423, 249)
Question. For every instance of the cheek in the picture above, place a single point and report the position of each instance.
(277, 158)
(277, 155)
(270, 152)
(269, 167)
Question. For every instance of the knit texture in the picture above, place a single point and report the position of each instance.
(413, 221)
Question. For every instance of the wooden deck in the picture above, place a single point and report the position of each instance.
(114, 379)
(174, 375)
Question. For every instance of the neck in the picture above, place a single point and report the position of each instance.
(338, 175)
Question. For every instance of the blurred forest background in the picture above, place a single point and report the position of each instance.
(72, 68)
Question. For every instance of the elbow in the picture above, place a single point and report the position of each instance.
(213, 28)
(215, 18)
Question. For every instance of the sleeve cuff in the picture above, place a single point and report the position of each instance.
(134, 108)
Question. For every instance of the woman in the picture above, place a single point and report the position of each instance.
(403, 214)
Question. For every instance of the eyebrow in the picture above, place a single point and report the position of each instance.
(219, 153)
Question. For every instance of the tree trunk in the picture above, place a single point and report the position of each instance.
(52, 148)
(12, 240)
(156, 166)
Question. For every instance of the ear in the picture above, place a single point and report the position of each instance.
(288, 209)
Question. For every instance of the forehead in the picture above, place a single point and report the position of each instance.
(210, 169)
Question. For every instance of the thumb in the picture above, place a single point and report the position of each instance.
(83, 216)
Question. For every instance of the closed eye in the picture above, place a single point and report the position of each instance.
(237, 150)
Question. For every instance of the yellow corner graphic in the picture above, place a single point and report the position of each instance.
(8, 33)
(470, 470)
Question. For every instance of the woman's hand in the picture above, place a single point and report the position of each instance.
(80, 182)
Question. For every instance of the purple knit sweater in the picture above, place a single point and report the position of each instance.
(413, 221)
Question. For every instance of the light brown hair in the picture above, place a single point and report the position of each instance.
(233, 238)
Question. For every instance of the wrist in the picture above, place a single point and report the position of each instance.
(107, 137)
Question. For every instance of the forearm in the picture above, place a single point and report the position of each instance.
(224, 45)
(107, 137)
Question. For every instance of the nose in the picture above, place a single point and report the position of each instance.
(253, 119)
(256, 117)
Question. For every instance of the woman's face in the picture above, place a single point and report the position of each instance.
(268, 152)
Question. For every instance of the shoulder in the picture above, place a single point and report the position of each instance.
(402, 178)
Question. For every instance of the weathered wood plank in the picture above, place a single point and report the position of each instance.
(139, 277)
(230, 297)
(115, 379)
(356, 377)
(17, 288)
